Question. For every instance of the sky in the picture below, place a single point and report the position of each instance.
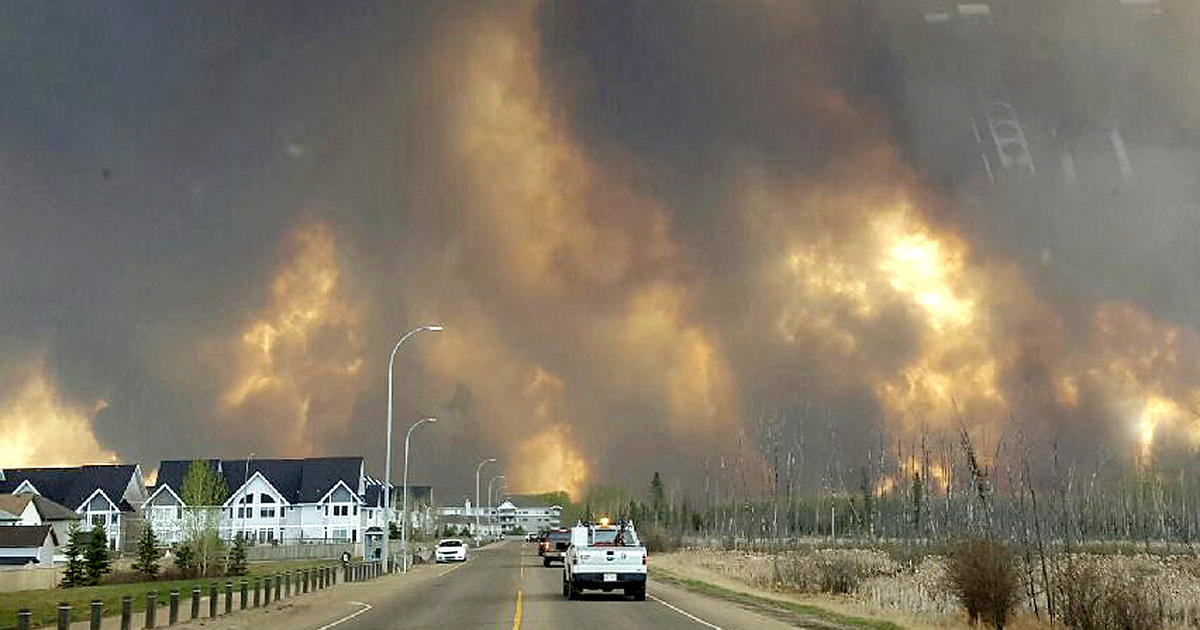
(659, 235)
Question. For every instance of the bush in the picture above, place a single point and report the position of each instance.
(1093, 598)
(983, 576)
(659, 541)
(838, 575)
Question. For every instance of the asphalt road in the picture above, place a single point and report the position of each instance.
(505, 586)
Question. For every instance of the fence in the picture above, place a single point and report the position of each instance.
(315, 551)
(224, 597)
(24, 579)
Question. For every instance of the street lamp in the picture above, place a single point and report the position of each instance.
(404, 525)
(491, 514)
(477, 469)
(387, 466)
(245, 496)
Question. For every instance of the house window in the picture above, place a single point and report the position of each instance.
(99, 520)
(267, 512)
(339, 534)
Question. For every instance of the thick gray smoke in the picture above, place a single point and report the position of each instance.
(658, 233)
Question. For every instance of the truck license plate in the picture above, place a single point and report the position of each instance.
(610, 577)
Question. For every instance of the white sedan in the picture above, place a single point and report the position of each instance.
(450, 550)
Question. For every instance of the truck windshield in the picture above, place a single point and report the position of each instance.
(614, 537)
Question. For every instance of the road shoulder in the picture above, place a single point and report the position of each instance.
(780, 607)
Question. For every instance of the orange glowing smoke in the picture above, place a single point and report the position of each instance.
(41, 429)
(564, 236)
(879, 293)
(1147, 371)
(296, 366)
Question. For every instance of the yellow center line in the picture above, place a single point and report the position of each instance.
(517, 614)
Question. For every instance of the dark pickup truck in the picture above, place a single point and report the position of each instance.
(554, 547)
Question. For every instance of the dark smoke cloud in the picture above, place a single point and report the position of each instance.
(599, 199)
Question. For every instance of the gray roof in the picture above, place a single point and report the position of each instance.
(49, 510)
(17, 536)
(298, 480)
(72, 486)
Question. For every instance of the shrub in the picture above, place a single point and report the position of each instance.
(983, 576)
(658, 541)
(1091, 597)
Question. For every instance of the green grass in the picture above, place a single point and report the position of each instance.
(44, 602)
(756, 601)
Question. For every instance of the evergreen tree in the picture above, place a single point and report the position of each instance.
(185, 559)
(236, 563)
(147, 554)
(658, 498)
(73, 575)
(96, 562)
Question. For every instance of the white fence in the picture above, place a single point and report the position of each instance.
(315, 551)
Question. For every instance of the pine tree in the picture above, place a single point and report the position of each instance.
(96, 562)
(658, 498)
(73, 575)
(185, 559)
(236, 564)
(147, 554)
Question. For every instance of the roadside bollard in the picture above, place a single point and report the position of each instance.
(245, 588)
(333, 576)
(127, 612)
(266, 591)
(212, 600)
(64, 616)
(24, 619)
(195, 602)
(173, 608)
(287, 583)
(278, 586)
(304, 582)
(228, 597)
(257, 584)
(346, 573)
(97, 615)
(151, 608)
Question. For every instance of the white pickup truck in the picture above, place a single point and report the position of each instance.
(606, 558)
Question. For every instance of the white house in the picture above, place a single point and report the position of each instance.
(272, 500)
(110, 495)
(528, 519)
(32, 509)
(22, 545)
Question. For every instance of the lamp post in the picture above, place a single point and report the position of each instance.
(491, 513)
(245, 497)
(477, 469)
(404, 524)
(387, 466)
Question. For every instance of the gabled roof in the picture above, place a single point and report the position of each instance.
(72, 486)
(297, 480)
(18, 536)
(373, 491)
(47, 509)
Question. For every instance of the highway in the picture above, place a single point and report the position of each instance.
(504, 586)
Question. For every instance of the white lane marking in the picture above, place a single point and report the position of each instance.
(686, 614)
(347, 617)
(1118, 143)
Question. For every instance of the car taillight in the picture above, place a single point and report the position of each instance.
(643, 559)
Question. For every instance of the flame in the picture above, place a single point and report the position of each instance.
(296, 366)
(41, 429)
